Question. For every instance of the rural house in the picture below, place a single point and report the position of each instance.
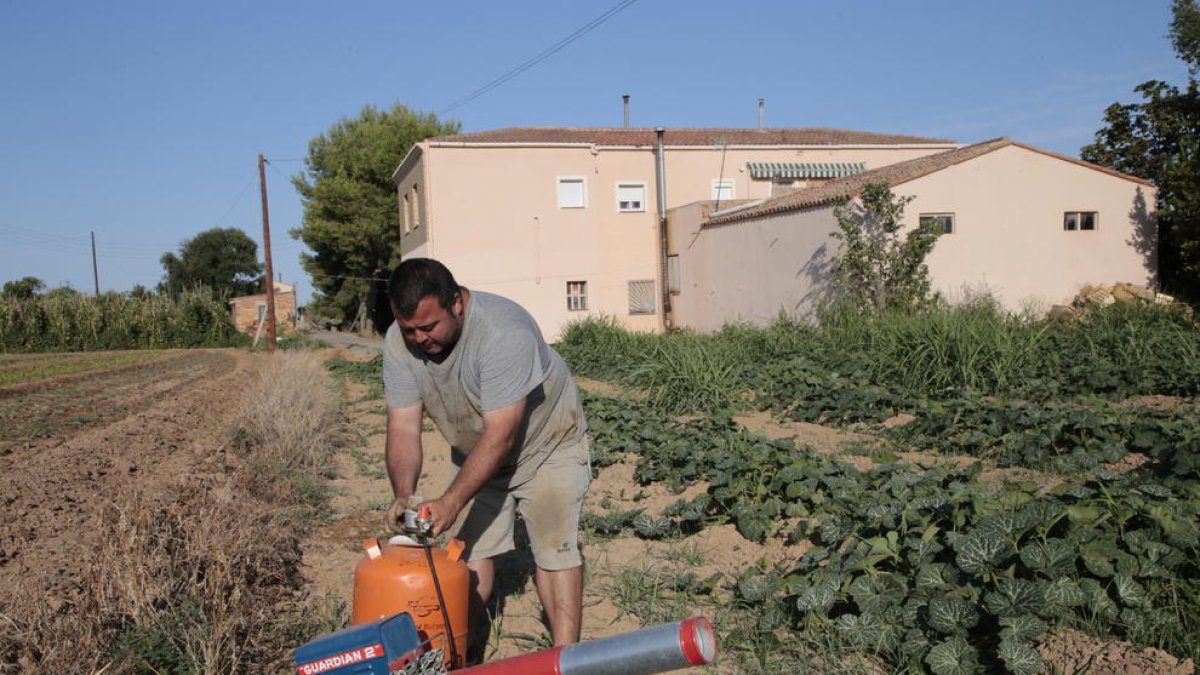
(250, 311)
(566, 221)
(1028, 226)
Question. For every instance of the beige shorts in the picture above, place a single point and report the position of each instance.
(550, 504)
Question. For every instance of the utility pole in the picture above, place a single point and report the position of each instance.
(268, 273)
(95, 270)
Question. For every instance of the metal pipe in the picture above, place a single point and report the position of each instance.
(625, 98)
(761, 105)
(658, 649)
(663, 241)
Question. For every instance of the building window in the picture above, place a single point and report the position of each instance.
(641, 297)
(1079, 220)
(572, 193)
(261, 306)
(783, 186)
(405, 217)
(722, 190)
(945, 220)
(631, 197)
(416, 209)
(577, 296)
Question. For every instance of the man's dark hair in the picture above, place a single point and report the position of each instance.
(418, 278)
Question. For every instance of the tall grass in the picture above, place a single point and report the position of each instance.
(202, 575)
(1117, 351)
(76, 322)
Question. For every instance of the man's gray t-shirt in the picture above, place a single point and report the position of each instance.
(500, 358)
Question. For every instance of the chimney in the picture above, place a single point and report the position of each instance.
(761, 105)
(625, 98)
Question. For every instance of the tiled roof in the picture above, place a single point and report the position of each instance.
(892, 175)
(686, 137)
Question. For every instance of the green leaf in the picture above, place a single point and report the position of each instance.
(1022, 628)
(864, 631)
(1014, 597)
(950, 615)
(818, 595)
(1064, 592)
(1053, 558)
(952, 657)
(1130, 592)
(1019, 658)
(982, 552)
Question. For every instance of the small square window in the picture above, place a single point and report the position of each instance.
(572, 193)
(577, 296)
(1080, 220)
(722, 190)
(944, 220)
(641, 297)
(631, 197)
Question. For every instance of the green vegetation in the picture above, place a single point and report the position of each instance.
(15, 370)
(876, 268)
(74, 322)
(223, 259)
(918, 567)
(1156, 140)
(350, 205)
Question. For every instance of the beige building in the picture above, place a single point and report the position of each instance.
(566, 221)
(1028, 226)
(250, 311)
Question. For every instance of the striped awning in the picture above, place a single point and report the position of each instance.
(805, 170)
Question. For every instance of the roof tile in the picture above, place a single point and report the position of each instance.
(685, 137)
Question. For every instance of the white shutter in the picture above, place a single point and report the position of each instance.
(641, 297)
(571, 193)
(631, 197)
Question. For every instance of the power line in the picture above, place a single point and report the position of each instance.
(553, 49)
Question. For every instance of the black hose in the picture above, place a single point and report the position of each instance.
(437, 586)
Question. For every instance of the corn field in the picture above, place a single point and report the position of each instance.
(68, 323)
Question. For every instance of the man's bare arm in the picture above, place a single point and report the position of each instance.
(499, 432)
(403, 456)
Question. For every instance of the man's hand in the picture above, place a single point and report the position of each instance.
(395, 515)
(444, 511)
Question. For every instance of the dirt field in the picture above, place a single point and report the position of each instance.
(68, 445)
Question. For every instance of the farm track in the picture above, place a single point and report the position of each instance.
(147, 428)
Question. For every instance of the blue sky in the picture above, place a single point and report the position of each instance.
(142, 121)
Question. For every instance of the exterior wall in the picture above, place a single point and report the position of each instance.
(491, 214)
(1008, 240)
(245, 310)
(1009, 237)
(751, 271)
(412, 201)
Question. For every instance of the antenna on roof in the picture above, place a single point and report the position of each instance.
(761, 106)
(625, 99)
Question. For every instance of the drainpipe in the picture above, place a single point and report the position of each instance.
(661, 173)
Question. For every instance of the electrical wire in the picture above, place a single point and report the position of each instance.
(553, 49)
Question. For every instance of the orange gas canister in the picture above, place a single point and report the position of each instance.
(395, 577)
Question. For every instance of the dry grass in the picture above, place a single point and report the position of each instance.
(201, 575)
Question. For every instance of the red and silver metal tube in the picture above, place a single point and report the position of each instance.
(658, 649)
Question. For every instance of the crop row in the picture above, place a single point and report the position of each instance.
(925, 567)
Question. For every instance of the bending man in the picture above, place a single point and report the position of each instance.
(506, 403)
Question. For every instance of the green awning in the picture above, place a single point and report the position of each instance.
(805, 170)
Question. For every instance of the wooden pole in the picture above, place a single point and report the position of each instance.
(268, 273)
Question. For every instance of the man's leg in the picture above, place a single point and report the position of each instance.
(561, 593)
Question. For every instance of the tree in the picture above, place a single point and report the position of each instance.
(350, 204)
(876, 268)
(1159, 139)
(224, 259)
(24, 288)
